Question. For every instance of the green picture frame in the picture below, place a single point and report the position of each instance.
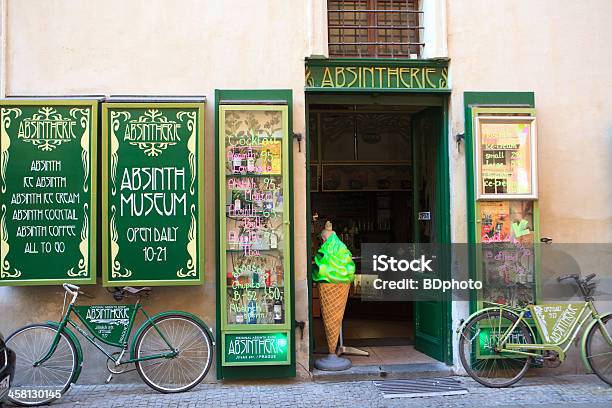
(57, 195)
(164, 194)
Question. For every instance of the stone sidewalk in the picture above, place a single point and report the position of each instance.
(558, 391)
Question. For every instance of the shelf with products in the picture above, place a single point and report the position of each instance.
(506, 255)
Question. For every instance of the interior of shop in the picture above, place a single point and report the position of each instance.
(372, 172)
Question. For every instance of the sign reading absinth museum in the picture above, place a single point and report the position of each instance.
(152, 193)
(47, 185)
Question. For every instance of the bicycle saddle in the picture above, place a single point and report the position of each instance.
(135, 291)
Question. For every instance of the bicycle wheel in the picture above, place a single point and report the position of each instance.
(50, 380)
(191, 364)
(479, 354)
(599, 351)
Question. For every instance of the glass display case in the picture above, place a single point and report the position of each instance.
(506, 207)
(254, 234)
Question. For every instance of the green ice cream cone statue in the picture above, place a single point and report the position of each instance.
(334, 271)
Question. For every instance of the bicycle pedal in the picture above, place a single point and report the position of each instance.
(538, 361)
(108, 379)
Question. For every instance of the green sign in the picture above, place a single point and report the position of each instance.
(255, 348)
(109, 323)
(488, 339)
(48, 173)
(359, 74)
(153, 195)
(555, 322)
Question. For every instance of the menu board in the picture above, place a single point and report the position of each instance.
(254, 231)
(507, 236)
(152, 193)
(47, 191)
(505, 157)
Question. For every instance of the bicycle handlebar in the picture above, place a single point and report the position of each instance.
(572, 276)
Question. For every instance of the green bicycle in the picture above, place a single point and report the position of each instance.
(172, 351)
(497, 345)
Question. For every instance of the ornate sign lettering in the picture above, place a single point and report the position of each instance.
(153, 195)
(46, 208)
(376, 75)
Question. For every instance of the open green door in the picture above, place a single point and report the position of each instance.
(431, 224)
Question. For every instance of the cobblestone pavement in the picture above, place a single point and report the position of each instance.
(576, 391)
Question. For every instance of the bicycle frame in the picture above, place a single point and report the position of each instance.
(586, 313)
(92, 336)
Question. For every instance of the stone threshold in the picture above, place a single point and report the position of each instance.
(384, 371)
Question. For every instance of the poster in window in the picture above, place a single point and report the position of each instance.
(505, 157)
(507, 236)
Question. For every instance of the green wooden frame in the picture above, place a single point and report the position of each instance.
(200, 155)
(496, 113)
(259, 96)
(473, 100)
(93, 103)
(443, 181)
(226, 326)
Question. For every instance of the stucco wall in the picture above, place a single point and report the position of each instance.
(557, 49)
(560, 50)
(158, 47)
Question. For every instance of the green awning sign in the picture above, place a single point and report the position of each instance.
(376, 74)
(47, 190)
(153, 195)
(255, 348)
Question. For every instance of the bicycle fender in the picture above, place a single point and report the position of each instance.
(169, 312)
(79, 350)
(583, 340)
(460, 328)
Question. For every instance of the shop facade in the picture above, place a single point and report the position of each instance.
(275, 64)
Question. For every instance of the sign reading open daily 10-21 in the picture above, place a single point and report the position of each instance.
(152, 193)
(46, 189)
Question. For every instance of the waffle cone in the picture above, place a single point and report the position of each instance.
(333, 301)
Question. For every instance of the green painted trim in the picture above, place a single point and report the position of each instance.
(477, 100)
(200, 154)
(79, 349)
(250, 372)
(308, 224)
(445, 226)
(257, 363)
(94, 136)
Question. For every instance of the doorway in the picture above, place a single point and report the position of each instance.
(375, 173)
